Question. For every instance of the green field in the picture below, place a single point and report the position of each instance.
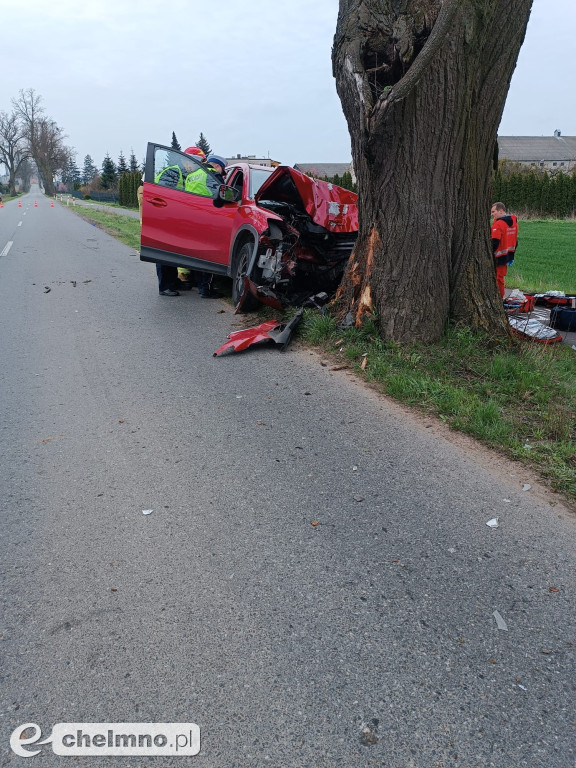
(546, 257)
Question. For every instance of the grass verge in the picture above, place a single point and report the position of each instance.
(124, 228)
(519, 399)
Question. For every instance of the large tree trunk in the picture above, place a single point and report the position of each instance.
(423, 84)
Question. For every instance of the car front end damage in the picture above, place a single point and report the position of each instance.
(305, 247)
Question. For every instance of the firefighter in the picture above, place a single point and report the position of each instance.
(504, 234)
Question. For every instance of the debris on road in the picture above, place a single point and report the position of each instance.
(272, 330)
(47, 289)
(492, 523)
(526, 487)
(369, 735)
(500, 623)
(146, 511)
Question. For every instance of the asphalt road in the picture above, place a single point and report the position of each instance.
(316, 584)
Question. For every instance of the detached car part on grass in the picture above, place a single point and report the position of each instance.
(280, 235)
(272, 330)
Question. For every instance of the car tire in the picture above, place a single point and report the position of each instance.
(241, 262)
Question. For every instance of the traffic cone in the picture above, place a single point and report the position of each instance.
(51, 203)
(1, 204)
(19, 204)
(35, 204)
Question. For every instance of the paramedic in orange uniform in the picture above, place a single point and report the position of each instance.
(504, 234)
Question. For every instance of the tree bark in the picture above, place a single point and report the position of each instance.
(423, 85)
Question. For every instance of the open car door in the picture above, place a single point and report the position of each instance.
(181, 225)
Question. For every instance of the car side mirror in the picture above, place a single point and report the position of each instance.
(226, 195)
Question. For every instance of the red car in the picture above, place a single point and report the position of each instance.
(281, 236)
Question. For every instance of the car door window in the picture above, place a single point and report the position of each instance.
(169, 170)
(237, 182)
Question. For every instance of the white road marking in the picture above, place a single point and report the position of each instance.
(6, 248)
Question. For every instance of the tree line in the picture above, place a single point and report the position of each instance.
(536, 194)
(31, 143)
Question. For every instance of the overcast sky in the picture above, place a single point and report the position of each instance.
(255, 77)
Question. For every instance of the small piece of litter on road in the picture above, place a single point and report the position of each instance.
(354, 468)
(47, 289)
(358, 498)
(146, 511)
(526, 487)
(451, 550)
(238, 397)
(521, 686)
(492, 523)
(508, 501)
(501, 624)
(315, 524)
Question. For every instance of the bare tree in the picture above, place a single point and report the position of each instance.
(423, 85)
(45, 139)
(12, 146)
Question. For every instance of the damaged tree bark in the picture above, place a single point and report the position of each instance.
(423, 85)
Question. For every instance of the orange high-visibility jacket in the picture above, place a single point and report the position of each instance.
(504, 234)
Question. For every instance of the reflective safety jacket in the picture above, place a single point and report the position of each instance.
(170, 177)
(504, 234)
(196, 183)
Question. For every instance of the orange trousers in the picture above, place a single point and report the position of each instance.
(500, 275)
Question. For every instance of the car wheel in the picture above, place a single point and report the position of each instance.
(241, 264)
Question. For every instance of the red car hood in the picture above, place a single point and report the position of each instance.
(329, 206)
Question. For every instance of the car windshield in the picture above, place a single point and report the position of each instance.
(257, 177)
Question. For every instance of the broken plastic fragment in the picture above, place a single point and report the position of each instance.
(493, 523)
(146, 511)
(526, 487)
(500, 623)
(521, 686)
(279, 333)
(354, 469)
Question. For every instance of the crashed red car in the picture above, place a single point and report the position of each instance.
(280, 235)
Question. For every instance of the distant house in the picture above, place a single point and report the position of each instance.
(548, 153)
(253, 160)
